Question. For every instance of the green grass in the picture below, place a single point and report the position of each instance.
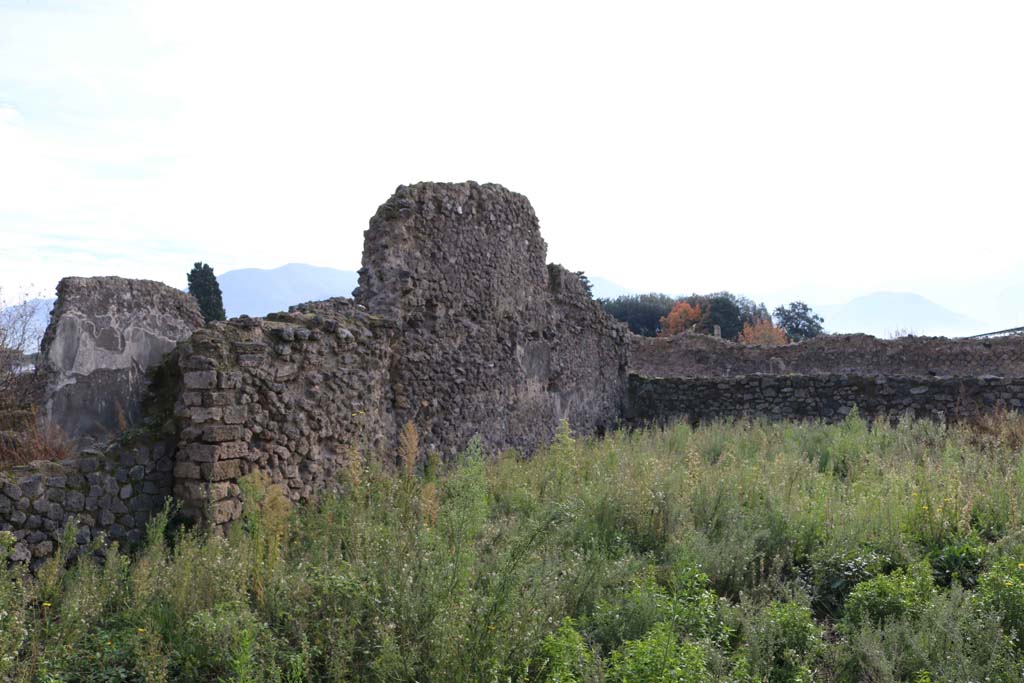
(733, 552)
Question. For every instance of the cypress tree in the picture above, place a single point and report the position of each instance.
(202, 284)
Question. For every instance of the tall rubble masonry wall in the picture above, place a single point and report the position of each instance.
(458, 327)
(491, 340)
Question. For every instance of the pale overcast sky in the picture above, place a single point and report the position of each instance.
(776, 149)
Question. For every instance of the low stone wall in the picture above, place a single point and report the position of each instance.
(697, 355)
(113, 492)
(827, 397)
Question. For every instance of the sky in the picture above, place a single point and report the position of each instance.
(784, 150)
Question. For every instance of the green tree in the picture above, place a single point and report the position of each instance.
(721, 310)
(798, 321)
(727, 310)
(642, 312)
(202, 284)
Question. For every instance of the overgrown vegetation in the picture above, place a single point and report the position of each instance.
(22, 436)
(744, 552)
(36, 438)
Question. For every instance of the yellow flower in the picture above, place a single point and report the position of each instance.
(141, 630)
(1020, 565)
(46, 604)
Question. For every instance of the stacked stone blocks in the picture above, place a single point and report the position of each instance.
(111, 492)
(295, 396)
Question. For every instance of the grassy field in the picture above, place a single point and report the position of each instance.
(742, 552)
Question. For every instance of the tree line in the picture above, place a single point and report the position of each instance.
(736, 317)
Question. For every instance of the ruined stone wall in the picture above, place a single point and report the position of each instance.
(695, 355)
(296, 395)
(111, 491)
(590, 351)
(490, 340)
(105, 335)
(459, 326)
(827, 397)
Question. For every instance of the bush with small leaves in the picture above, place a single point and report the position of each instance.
(565, 657)
(903, 593)
(1002, 590)
(954, 638)
(687, 604)
(659, 657)
(833, 575)
(783, 643)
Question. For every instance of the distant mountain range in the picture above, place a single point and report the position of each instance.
(257, 292)
(884, 314)
(602, 288)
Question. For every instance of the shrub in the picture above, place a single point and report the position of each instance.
(687, 605)
(1002, 590)
(565, 657)
(783, 643)
(762, 332)
(901, 593)
(959, 562)
(15, 619)
(659, 657)
(833, 575)
(472, 573)
(954, 638)
(41, 439)
(228, 640)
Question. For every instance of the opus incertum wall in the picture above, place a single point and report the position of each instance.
(699, 355)
(458, 327)
(819, 397)
(111, 491)
(703, 378)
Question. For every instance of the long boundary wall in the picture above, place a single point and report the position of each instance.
(826, 397)
(698, 355)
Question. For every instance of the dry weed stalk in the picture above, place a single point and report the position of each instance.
(408, 448)
(41, 440)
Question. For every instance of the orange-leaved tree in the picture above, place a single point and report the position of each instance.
(762, 332)
(682, 317)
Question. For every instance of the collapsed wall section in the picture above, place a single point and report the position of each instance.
(104, 337)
